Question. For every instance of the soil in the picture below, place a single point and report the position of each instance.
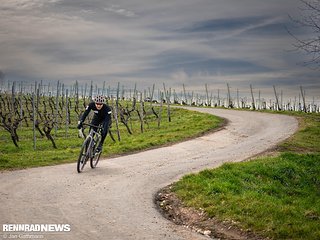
(198, 221)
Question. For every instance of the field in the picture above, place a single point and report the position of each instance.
(274, 197)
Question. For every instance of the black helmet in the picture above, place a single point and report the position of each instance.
(99, 99)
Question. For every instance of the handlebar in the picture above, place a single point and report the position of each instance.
(91, 125)
(81, 130)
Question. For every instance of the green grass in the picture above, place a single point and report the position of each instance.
(307, 138)
(185, 124)
(276, 197)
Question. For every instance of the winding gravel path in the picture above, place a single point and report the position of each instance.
(115, 200)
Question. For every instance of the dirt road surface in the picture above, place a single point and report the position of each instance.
(115, 201)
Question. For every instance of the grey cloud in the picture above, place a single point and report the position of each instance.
(121, 11)
(144, 41)
(191, 64)
(224, 24)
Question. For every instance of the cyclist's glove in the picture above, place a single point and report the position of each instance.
(79, 125)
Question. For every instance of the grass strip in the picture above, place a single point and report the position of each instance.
(275, 197)
(184, 124)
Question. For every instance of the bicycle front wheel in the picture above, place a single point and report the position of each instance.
(95, 159)
(83, 157)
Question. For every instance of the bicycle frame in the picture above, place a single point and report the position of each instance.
(95, 138)
(88, 149)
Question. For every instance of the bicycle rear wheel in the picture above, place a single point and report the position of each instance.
(83, 157)
(95, 159)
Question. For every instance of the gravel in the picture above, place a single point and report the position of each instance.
(116, 200)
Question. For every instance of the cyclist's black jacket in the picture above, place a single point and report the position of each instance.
(100, 116)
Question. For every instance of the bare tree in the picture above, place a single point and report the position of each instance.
(309, 21)
(9, 116)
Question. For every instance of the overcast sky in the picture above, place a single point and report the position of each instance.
(190, 42)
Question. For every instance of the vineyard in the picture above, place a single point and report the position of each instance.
(52, 115)
(51, 111)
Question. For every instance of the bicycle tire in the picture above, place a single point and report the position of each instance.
(94, 160)
(83, 156)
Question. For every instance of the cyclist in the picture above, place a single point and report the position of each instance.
(102, 115)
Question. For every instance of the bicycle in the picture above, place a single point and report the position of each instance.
(88, 148)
